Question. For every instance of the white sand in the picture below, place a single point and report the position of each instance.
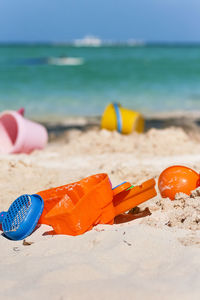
(157, 257)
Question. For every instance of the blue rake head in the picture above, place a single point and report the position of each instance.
(22, 216)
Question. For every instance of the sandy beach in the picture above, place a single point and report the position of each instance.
(70, 70)
(150, 258)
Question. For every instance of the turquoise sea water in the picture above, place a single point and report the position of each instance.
(148, 79)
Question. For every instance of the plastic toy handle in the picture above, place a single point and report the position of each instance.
(2, 216)
(134, 196)
(119, 184)
(21, 111)
(121, 187)
(119, 118)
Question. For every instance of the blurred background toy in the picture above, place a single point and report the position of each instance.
(115, 117)
(20, 135)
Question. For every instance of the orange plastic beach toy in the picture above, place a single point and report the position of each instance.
(134, 196)
(75, 208)
(176, 179)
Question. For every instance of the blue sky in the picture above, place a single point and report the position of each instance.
(65, 20)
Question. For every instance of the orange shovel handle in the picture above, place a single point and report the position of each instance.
(130, 198)
(121, 188)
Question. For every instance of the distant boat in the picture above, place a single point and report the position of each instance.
(133, 42)
(88, 41)
(65, 61)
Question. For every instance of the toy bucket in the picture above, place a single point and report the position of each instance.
(115, 117)
(19, 135)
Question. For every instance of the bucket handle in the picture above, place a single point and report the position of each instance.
(118, 116)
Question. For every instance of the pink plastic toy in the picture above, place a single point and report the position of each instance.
(19, 135)
(21, 111)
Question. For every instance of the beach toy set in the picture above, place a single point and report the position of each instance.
(20, 135)
(116, 117)
(74, 208)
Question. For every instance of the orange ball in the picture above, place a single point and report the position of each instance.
(177, 179)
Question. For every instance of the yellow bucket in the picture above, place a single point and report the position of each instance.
(121, 119)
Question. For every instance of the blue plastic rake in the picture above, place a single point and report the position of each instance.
(22, 216)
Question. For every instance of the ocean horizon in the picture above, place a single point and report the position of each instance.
(60, 80)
